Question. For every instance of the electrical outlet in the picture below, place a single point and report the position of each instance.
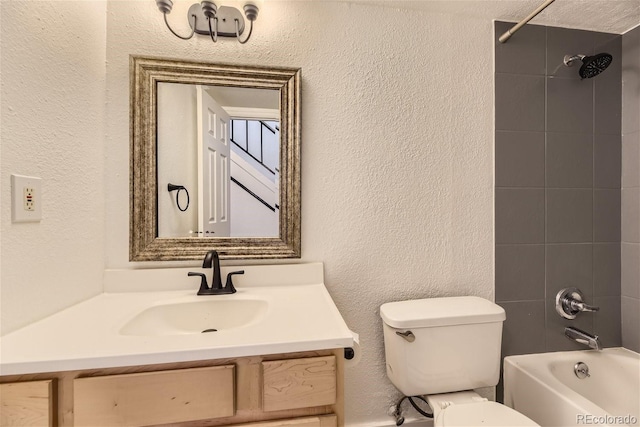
(26, 196)
(29, 199)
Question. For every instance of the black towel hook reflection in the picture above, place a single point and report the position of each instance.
(173, 187)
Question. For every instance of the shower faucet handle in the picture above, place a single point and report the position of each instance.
(570, 302)
(581, 306)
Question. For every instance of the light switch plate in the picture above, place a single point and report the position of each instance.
(26, 198)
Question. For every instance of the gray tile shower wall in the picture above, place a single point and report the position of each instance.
(558, 189)
(630, 275)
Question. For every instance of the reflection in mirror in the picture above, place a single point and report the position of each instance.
(215, 160)
(222, 146)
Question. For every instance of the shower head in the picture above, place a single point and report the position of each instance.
(591, 65)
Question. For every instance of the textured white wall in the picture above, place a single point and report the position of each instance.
(52, 126)
(397, 146)
(396, 160)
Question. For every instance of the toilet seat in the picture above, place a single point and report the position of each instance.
(485, 414)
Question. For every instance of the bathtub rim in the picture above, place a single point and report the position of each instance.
(560, 390)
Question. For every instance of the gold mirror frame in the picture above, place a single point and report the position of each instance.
(144, 243)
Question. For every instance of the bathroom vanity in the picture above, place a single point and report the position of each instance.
(290, 389)
(141, 358)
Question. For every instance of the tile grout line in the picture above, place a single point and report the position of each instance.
(546, 112)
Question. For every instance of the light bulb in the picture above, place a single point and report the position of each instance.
(251, 9)
(165, 6)
(209, 8)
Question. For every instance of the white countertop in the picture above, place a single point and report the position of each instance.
(300, 317)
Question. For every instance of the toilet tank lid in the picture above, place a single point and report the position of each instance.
(449, 311)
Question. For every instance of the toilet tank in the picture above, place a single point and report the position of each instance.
(453, 344)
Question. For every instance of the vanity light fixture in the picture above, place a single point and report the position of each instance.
(207, 18)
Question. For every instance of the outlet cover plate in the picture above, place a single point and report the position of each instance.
(24, 209)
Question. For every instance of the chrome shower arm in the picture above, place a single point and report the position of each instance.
(507, 35)
(569, 60)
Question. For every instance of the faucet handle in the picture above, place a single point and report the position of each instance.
(570, 302)
(582, 306)
(229, 284)
(203, 282)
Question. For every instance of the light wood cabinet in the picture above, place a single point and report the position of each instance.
(285, 390)
(28, 403)
(154, 397)
(298, 383)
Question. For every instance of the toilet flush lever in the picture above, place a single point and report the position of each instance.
(407, 335)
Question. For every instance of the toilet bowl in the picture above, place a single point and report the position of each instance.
(468, 408)
(443, 348)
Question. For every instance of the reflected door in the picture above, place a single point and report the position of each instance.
(213, 166)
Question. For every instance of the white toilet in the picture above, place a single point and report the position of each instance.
(443, 348)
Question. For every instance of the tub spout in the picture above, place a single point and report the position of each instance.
(582, 337)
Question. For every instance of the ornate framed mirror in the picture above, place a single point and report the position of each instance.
(179, 111)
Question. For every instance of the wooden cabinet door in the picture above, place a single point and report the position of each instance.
(150, 398)
(299, 383)
(26, 404)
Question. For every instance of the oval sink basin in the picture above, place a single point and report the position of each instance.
(195, 317)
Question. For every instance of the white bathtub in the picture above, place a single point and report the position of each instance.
(545, 388)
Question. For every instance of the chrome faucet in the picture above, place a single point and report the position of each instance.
(212, 259)
(570, 302)
(582, 337)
